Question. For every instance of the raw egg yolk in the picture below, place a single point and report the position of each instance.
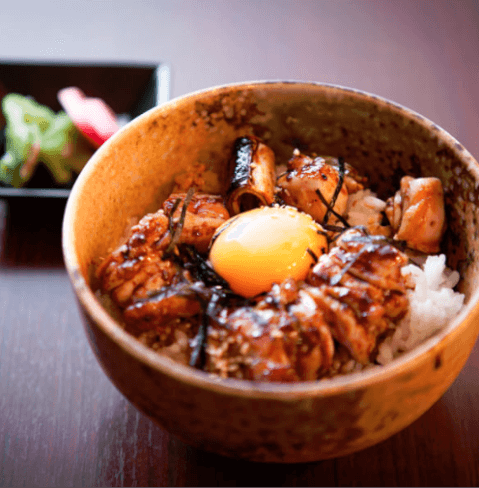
(267, 245)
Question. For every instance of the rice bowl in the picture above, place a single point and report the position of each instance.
(272, 422)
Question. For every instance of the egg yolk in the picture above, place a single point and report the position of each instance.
(267, 245)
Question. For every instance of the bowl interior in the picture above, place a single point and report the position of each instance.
(133, 172)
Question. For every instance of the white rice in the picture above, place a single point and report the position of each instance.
(432, 304)
(365, 209)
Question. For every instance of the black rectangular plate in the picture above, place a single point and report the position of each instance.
(128, 88)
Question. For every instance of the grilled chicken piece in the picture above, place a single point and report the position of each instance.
(417, 214)
(130, 268)
(370, 258)
(204, 214)
(280, 338)
(361, 290)
(253, 175)
(156, 310)
(306, 180)
(140, 267)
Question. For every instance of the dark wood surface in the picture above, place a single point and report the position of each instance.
(64, 424)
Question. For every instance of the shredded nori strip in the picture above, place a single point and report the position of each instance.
(194, 262)
(338, 188)
(332, 228)
(171, 224)
(312, 254)
(210, 305)
(179, 226)
(328, 205)
(198, 355)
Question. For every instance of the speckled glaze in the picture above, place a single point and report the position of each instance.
(132, 173)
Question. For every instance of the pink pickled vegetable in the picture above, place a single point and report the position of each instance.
(92, 116)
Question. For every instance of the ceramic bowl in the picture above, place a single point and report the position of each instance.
(132, 173)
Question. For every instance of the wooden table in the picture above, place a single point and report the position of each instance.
(64, 424)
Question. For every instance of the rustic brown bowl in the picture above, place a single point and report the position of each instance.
(133, 172)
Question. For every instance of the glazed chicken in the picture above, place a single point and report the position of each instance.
(416, 213)
(252, 175)
(353, 295)
(360, 285)
(311, 184)
(144, 265)
(282, 337)
(301, 329)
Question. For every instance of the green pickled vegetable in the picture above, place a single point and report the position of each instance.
(35, 134)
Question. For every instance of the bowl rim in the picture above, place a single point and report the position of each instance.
(91, 305)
